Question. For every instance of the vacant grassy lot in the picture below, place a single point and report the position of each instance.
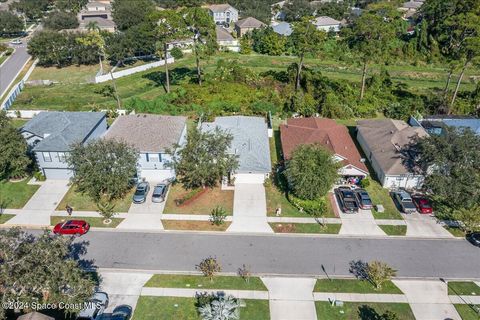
(362, 311)
(306, 228)
(168, 308)
(193, 225)
(80, 202)
(463, 288)
(14, 195)
(204, 204)
(66, 75)
(467, 312)
(201, 282)
(354, 286)
(5, 217)
(394, 230)
(94, 222)
(381, 196)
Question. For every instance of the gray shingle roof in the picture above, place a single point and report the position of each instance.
(62, 129)
(249, 22)
(250, 141)
(223, 34)
(325, 21)
(220, 7)
(148, 132)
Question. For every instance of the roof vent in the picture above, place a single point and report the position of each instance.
(391, 131)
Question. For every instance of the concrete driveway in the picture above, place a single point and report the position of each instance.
(249, 209)
(148, 207)
(423, 225)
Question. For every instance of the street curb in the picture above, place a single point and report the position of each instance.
(1, 65)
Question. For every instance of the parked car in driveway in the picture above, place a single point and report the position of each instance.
(423, 204)
(95, 307)
(141, 192)
(363, 199)
(347, 200)
(404, 201)
(122, 312)
(159, 192)
(75, 227)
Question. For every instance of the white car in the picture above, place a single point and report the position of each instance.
(16, 41)
(95, 307)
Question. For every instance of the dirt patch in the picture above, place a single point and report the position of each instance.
(193, 225)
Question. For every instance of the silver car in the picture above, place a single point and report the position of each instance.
(404, 201)
(159, 193)
(95, 307)
(141, 192)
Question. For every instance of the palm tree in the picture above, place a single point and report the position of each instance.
(93, 26)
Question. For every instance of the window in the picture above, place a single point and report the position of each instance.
(62, 157)
(154, 157)
(47, 157)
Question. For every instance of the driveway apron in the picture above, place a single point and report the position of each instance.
(360, 224)
(423, 225)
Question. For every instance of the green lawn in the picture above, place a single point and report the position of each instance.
(354, 286)
(467, 312)
(80, 202)
(201, 282)
(393, 230)
(381, 196)
(305, 228)
(455, 231)
(14, 195)
(463, 288)
(362, 311)
(17, 123)
(169, 308)
(70, 74)
(95, 222)
(5, 217)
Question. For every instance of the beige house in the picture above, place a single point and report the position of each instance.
(247, 25)
(98, 12)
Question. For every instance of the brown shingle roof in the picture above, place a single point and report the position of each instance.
(148, 132)
(249, 22)
(326, 132)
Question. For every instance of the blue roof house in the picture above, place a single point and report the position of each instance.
(436, 124)
(283, 28)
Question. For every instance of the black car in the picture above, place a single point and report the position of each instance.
(474, 238)
(363, 199)
(122, 312)
(347, 200)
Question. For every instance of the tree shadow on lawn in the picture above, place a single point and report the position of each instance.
(368, 313)
(175, 75)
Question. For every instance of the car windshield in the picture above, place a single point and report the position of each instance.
(158, 191)
(425, 204)
(366, 201)
(140, 192)
(408, 204)
(348, 194)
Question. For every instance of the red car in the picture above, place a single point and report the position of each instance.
(423, 204)
(77, 227)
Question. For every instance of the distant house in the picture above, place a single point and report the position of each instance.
(276, 9)
(246, 25)
(436, 125)
(250, 143)
(409, 8)
(223, 13)
(225, 40)
(327, 24)
(382, 142)
(98, 12)
(153, 136)
(283, 28)
(329, 134)
(51, 134)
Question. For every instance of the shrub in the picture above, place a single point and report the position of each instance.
(365, 182)
(106, 210)
(316, 208)
(379, 272)
(221, 306)
(39, 176)
(209, 267)
(218, 216)
(176, 53)
(245, 273)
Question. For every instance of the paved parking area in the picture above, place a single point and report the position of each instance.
(423, 225)
(148, 207)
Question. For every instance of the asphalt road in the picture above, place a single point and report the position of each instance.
(282, 254)
(12, 66)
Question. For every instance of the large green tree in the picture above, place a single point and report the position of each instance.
(126, 14)
(311, 171)
(13, 150)
(32, 9)
(71, 5)
(103, 168)
(41, 269)
(10, 23)
(59, 20)
(205, 159)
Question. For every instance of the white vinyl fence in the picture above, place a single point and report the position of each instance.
(126, 72)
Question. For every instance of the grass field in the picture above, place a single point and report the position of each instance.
(5, 217)
(168, 308)
(393, 230)
(94, 222)
(467, 312)
(381, 196)
(14, 195)
(354, 286)
(305, 228)
(362, 311)
(201, 282)
(17, 123)
(204, 204)
(193, 225)
(80, 202)
(463, 288)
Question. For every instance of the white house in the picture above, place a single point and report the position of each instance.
(226, 41)
(153, 136)
(327, 24)
(223, 13)
(382, 142)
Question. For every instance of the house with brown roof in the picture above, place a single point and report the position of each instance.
(247, 25)
(383, 142)
(329, 134)
(153, 136)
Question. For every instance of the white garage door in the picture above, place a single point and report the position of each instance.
(156, 175)
(58, 174)
(250, 178)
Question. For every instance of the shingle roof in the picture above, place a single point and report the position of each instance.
(148, 132)
(283, 28)
(62, 129)
(325, 21)
(326, 132)
(223, 34)
(412, 5)
(220, 7)
(249, 22)
(385, 138)
(250, 141)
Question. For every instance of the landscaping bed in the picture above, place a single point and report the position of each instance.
(467, 312)
(80, 202)
(362, 311)
(455, 231)
(305, 228)
(168, 308)
(354, 286)
(14, 195)
(394, 230)
(193, 225)
(95, 222)
(199, 203)
(5, 217)
(380, 195)
(463, 288)
(201, 282)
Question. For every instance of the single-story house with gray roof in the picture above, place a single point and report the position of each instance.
(50, 135)
(153, 136)
(250, 143)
